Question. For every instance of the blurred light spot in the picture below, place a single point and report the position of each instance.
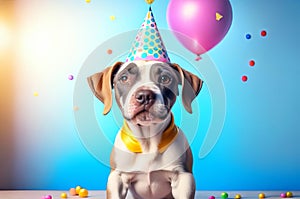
(190, 9)
(4, 36)
(75, 108)
(36, 42)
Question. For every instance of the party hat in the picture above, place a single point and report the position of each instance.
(148, 44)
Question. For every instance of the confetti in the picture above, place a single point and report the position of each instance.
(70, 77)
(63, 195)
(224, 195)
(77, 189)
(47, 197)
(112, 17)
(261, 195)
(109, 51)
(263, 33)
(218, 16)
(283, 195)
(35, 94)
(72, 191)
(289, 194)
(244, 78)
(251, 63)
(75, 108)
(83, 193)
(88, 1)
(149, 1)
(248, 36)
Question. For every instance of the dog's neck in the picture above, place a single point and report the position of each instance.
(149, 137)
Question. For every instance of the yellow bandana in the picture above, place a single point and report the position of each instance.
(134, 146)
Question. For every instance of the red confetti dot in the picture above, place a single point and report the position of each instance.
(251, 63)
(109, 51)
(244, 78)
(263, 33)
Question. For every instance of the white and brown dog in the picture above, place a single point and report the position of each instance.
(151, 156)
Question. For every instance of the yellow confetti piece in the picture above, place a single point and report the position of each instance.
(35, 94)
(112, 17)
(88, 1)
(149, 1)
(218, 16)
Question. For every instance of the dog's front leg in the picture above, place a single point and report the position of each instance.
(116, 187)
(183, 186)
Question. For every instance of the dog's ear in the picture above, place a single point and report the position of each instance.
(102, 85)
(191, 86)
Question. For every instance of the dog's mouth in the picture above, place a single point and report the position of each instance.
(145, 115)
(144, 118)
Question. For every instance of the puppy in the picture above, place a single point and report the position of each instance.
(151, 156)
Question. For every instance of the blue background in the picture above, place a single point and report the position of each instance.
(259, 145)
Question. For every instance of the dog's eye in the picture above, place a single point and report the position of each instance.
(124, 78)
(164, 79)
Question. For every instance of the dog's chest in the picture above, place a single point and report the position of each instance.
(169, 160)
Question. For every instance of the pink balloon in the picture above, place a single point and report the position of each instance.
(199, 24)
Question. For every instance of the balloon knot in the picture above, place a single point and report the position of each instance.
(198, 58)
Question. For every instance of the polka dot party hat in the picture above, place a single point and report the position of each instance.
(148, 44)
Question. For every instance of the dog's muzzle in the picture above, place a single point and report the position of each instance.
(146, 104)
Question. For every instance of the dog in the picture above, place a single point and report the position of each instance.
(151, 156)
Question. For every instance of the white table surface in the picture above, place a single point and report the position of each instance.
(31, 194)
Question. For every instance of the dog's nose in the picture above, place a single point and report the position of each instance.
(145, 97)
